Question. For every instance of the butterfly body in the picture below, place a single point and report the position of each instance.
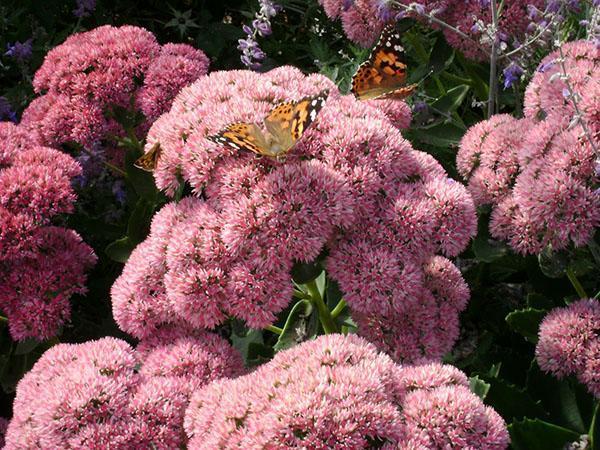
(384, 74)
(284, 126)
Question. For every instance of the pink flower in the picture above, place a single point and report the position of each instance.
(427, 325)
(452, 417)
(351, 186)
(94, 395)
(175, 67)
(545, 95)
(569, 343)
(41, 266)
(92, 74)
(35, 286)
(363, 20)
(337, 392)
(195, 357)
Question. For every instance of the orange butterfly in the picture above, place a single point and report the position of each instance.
(149, 160)
(383, 74)
(285, 125)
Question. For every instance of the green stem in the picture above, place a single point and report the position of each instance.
(338, 309)
(324, 314)
(301, 295)
(593, 246)
(591, 431)
(493, 86)
(274, 329)
(115, 168)
(576, 284)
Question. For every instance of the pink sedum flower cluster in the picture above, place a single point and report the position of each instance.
(104, 394)
(82, 81)
(41, 265)
(338, 392)
(352, 185)
(569, 343)
(547, 96)
(363, 20)
(539, 175)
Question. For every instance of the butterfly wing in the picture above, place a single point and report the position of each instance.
(149, 160)
(385, 71)
(246, 136)
(288, 121)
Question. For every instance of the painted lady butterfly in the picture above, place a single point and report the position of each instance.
(285, 125)
(383, 74)
(149, 160)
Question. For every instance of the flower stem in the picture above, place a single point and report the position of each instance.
(339, 308)
(274, 329)
(591, 433)
(325, 317)
(493, 62)
(576, 284)
(573, 98)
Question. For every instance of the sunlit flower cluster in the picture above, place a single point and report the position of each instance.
(337, 392)
(352, 185)
(90, 81)
(569, 343)
(471, 20)
(104, 394)
(41, 265)
(539, 173)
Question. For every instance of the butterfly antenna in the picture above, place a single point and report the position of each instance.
(425, 77)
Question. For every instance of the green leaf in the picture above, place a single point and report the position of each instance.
(439, 135)
(535, 434)
(552, 263)
(539, 301)
(120, 249)
(139, 221)
(479, 387)
(526, 322)
(487, 250)
(304, 272)
(301, 324)
(450, 101)
(441, 56)
(510, 401)
(241, 340)
(26, 346)
(141, 181)
(561, 398)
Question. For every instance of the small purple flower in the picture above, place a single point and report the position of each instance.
(420, 107)
(262, 26)
(6, 111)
(118, 190)
(84, 8)
(347, 4)
(418, 8)
(545, 67)
(566, 93)
(512, 74)
(385, 12)
(553, 6)
(21, 51)
(484, 4)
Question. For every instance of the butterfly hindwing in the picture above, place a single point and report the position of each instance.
(149, 160)
(384, 73)
(246, 136)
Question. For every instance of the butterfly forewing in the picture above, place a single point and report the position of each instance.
(149, 160)
(306, 112)
(384, 73)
